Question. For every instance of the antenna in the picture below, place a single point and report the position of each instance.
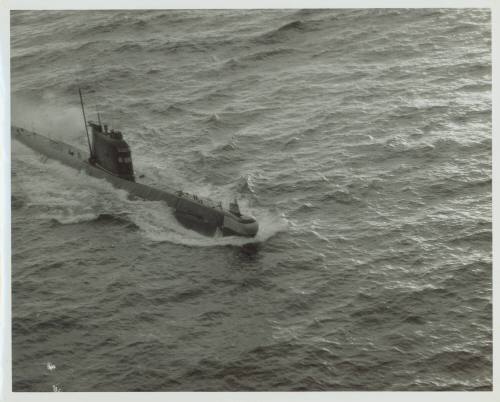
(85, 122)
(99, 120)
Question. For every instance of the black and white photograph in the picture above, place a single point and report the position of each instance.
(224, 200)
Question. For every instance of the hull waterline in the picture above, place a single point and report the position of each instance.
(203, 216)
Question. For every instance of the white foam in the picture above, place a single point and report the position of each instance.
(70, 197)
(68, 218)
(62, 193)
(157, 223)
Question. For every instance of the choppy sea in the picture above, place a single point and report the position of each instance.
(359, 138)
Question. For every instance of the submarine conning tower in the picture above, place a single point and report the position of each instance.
(111, 152)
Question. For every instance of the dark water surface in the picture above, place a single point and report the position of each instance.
(360, 139)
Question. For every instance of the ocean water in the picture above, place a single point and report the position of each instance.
(360, 139)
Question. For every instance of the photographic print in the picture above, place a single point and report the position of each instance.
(251, 200)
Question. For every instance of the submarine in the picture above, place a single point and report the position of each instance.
(110, 158)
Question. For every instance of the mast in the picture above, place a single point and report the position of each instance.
(85, 122)
(99, 120)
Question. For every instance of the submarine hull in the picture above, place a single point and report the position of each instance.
(202, 216)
